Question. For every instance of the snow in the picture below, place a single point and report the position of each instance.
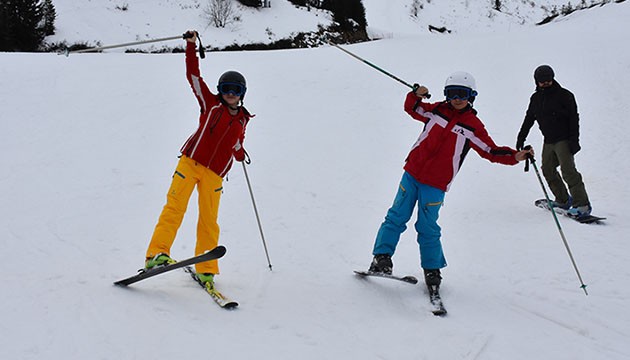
(90, 142)
(103, 21)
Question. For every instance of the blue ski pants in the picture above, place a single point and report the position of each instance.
(429, 200)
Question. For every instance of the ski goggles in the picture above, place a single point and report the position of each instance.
(231, 88)
(459, 92)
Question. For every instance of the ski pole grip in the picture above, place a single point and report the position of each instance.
(529, 158)
(416, 86)
(190, 35)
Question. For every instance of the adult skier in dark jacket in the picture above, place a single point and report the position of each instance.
(555, 110)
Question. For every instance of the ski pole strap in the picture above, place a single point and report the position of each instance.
(202, 51)
(247, 160)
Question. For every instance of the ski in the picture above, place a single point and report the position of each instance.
(216, 295)
(408, 279)
(586, 219)
(438, 308)
(437, 305)
(215, 253)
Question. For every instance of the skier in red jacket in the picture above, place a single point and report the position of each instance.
(451, 129)
(206, 158)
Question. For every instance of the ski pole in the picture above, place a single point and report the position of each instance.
(202, 53)
(413, 87)
(555, 217)
(262, 235)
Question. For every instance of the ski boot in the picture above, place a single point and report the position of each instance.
(207, 279)
(562, 205)
(580, 211)
(161, 259)
(382, 263)
(432, 277)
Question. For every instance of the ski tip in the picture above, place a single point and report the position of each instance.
(230, 306)
(410, 279)
(591, 220)
(440, 313)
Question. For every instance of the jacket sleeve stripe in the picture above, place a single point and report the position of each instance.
(196, 85)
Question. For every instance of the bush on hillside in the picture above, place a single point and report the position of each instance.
(251, 3)
(349, 14)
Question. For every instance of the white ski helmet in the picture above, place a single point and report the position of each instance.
(461, 78)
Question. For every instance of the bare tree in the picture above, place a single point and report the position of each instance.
(220, 13)
(416, 6)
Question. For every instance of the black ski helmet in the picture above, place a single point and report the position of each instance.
(543, 73)
(233, 77)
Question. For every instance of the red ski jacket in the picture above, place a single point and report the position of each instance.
(219, 137)
(448, 135)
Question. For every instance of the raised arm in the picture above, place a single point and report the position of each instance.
(201, 91)
(415, 107)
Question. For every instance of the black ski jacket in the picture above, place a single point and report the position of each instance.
(555, 110)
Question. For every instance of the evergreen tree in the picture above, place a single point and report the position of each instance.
(5, 28)
(49, 16)
(347, 11)
(314, 3)
(22, 25)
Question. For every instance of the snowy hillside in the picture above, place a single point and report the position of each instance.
(103, 21)
(117, 21)
(90, 141)
(386, 18)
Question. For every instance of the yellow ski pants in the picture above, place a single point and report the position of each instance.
(189, 174)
